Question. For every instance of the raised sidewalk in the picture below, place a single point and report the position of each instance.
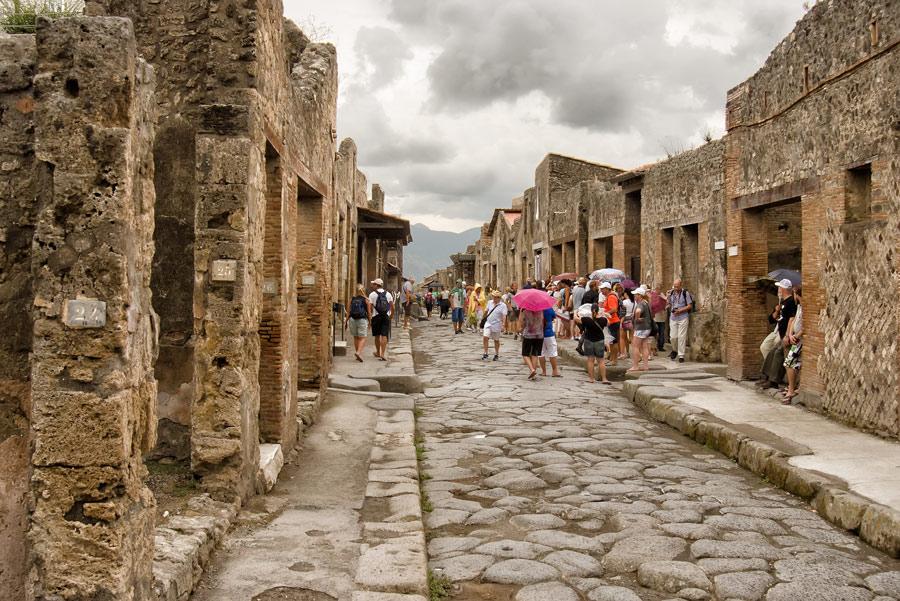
(852, 478)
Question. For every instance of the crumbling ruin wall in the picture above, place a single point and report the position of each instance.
(17, 218)
(93, 390)
(179, 50)
(683, 204)
(822, 109)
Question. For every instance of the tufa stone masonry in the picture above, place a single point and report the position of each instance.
(178, 230)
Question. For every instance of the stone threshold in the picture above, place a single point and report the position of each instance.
(184, 544)
(875, 523)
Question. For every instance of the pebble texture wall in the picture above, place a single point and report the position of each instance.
(93, 390)
(17, 215)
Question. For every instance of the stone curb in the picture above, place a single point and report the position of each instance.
(184, 544)
(393, 562)
(876, 524)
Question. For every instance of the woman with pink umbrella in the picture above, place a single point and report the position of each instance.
(532, 302)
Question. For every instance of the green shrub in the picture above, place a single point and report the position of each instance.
(20, 16)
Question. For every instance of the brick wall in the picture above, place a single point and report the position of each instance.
(779, 148)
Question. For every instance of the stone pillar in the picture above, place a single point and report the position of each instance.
(228, 279)
(17, 56)
(93, 390)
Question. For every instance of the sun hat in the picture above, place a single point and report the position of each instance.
(496, 293)
(378, 282)
(641, 290)
(785, 283)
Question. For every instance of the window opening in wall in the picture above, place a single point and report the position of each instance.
(633, 234)
(873, 33)
(556, 259)
(806, 78)
(601, 253)
(690, 257)
(667, 243)
(858, 194)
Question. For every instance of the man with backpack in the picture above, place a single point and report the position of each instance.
(680, 303)
(381, 301)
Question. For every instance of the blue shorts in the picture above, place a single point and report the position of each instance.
(458, 315)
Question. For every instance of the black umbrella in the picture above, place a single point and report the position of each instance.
(787, 274)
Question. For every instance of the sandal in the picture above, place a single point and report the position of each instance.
(532, 375)
(606, 382)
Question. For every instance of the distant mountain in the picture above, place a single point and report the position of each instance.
(430, 250)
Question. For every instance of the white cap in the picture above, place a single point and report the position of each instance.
(785, 283)
(378, 282)
(642, 291)
(606, 285)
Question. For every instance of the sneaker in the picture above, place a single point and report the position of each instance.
(484, 356)
(496, 357)
(673, 355)
(681, 359)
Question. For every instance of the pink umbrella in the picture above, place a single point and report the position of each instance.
(532, 299)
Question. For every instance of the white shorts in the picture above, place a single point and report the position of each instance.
(491, 333)
(550, 349)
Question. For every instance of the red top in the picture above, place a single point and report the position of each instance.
(611, 306)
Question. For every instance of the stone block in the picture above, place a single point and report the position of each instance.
(271, 460)
(880, 527)
(81, 429)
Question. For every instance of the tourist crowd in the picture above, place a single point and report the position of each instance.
(610, 320)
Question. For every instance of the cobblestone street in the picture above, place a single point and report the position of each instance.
(562, 490)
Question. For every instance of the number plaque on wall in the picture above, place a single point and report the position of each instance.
(85, 313)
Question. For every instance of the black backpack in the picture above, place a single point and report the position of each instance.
(382, 306)
(358, 308)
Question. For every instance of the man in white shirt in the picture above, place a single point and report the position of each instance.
(494, 323)
(406, 299)
(380, 303)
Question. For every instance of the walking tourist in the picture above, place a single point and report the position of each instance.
(611, 312)
(680, 303)
(358, 320)
(592, 294)
(429, 302)
(626, 312)
(549, 349)
(492, 324)
(444, 302)
(564, 309)
(643, 330)
(406, 299)
(457, 306)
(658, 308)
(512, 319)
(593, 340)
(773, 363)
(381, 302)
(532, 339)
(477, 305)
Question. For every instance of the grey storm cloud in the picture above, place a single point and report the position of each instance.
(383, 52)
(605, 66)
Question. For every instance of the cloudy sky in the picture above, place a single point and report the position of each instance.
(453, 103)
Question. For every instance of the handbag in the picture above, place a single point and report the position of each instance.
(485, 318)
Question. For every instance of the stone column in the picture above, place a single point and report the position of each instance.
(228, 259)
(93, 390)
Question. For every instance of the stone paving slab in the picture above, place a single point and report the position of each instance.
(860, 492)
(594, 497)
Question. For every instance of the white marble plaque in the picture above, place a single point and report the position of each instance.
(84, 313)
(224, 270)
(270, 286)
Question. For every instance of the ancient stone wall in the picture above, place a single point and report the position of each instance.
(94, 345)
(682, 218)
(17, 219)
(816, 119)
